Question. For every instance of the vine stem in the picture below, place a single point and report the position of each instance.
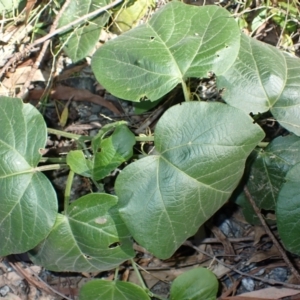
(271, 235)
(68, 189)
(68, 135)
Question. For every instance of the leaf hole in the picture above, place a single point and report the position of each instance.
(87, 256)
(114, 245)
(152, 38)
(100, 220)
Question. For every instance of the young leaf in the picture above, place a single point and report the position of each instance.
(112, 290)
(89, 237)
(288, 211)
(264, 78)
(269, 168)
(115, 150)
(199, 283)
(199, 162)
(179, 41)
(82, 40)
(28, 204)
(130, 14)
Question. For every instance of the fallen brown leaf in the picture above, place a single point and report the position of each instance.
(271, 293)
(62, 92)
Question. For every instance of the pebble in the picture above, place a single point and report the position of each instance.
(4, 291)
(248, 284)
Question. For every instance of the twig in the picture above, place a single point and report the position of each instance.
(268, 281)
(41, 55)
(56, 32)
(271, 235)
(34, 279)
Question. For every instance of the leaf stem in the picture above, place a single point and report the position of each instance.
(186, 92)
(116, 274)
(138, 274)
(263, 144)
(144, 138)
(68, 189)
(53, 160)
(50, 167)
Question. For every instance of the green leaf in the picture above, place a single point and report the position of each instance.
(199, 283)
(128, 16)
(9, 5)
(111, 290)
(79, 164)
(288, 211)
(264, 78)
(144, 106)
(115, 150)
(179, 41)
(28, 203)
(81, 41)
(89, 237)
(269, 168)
(199, 162)
(255, 81)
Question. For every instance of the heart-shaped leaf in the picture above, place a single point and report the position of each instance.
(112, 290)
(179, 41)
(195, 284)
(81, 40)
(199, 162)
(90, 237)
(269, 168)
(264, 78)
(28, 204)
(288, 211)
(114, 150)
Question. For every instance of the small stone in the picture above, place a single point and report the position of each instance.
(4, 291)
(248, 284)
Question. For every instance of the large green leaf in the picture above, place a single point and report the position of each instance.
(28, 203)
(201, 152)
(90, 237)
(179, 41)
(114, 150)
(112, 290)
(288, 211)
(264, 78)
(81, 41)
(269, 168)
(199, 283)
